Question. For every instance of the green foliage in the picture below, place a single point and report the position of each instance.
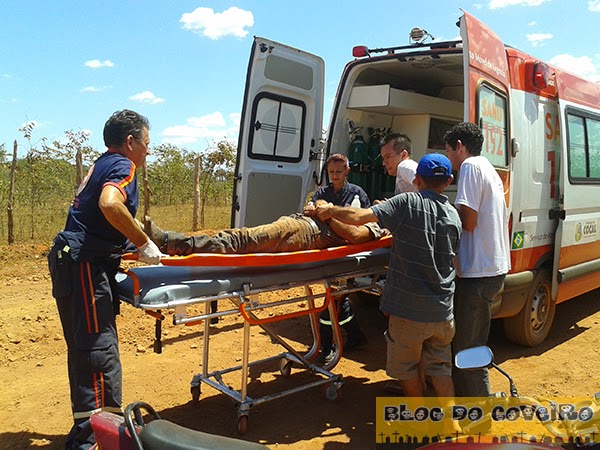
(216, 172)
(171, 175)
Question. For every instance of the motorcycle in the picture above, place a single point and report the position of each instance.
(131, 432)
(571, 426)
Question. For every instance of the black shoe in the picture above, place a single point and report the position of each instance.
(156, 235)
(355, 342)
(326, 356)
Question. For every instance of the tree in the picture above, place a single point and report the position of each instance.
(215, 176)
(171, 174)
(74, 151)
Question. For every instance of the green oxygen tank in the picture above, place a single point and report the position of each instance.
(388, 186)
(358, 157)
(376, 168)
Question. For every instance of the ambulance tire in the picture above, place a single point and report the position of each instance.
(531, 325)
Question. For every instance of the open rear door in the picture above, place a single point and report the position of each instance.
(280, 133)
(486, 90)
(577, 239)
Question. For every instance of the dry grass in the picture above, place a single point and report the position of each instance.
(179, 217)
(51, 219)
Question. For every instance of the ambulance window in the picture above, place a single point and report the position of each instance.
(576, 147)
(493, 123)
(276, 133)
(594, 148)
(584, 148)
(289, 72)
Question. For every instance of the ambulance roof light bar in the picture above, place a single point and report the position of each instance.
(418, 36)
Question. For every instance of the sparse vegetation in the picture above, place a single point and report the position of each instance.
(46, 179)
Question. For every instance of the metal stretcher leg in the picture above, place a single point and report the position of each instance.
(330, 382)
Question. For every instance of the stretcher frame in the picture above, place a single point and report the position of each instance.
(355, 274)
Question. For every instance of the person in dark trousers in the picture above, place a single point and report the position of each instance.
(83, 262)
(340, 192)
(484, 253)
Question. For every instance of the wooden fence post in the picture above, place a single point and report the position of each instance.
(79, 169)
(196, 193)
(11, 196)
(146, 189)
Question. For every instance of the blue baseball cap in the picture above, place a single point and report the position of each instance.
(434, 165)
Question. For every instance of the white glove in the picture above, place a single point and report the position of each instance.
(149, 253)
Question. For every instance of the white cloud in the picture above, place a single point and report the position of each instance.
(146, 97)
(97, 64)
(537, 39)
(533, 23)
(211, 127)
(211, 120)
(231, 22)
(94, 88)
(235, 118)
(582, 65)
(497, 4)
(594, 6)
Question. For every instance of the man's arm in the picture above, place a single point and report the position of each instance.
(112, 205)
(467, 216)
(351, 233)
(348, 215)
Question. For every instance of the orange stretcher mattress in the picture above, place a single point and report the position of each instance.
(200, 275)
(275, 259)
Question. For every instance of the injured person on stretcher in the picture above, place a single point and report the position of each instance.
(287, 234)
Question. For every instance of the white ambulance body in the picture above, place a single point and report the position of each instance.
(542, 133)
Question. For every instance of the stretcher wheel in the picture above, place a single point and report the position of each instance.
(331, 392)
(285, 367)
(195, 391)
(243, 424)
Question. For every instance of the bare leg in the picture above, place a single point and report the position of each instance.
(443, 385)
(412, 387)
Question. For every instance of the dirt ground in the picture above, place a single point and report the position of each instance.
(34, 399)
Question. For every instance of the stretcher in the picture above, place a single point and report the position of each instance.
(226, 285)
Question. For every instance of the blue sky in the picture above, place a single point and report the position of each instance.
(68, 64)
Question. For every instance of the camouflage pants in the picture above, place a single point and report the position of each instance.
(286, 234)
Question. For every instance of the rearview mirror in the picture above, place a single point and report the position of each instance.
(474, 358)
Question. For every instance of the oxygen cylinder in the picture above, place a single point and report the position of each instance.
(388, 186)
(373, 187)
(358, 156)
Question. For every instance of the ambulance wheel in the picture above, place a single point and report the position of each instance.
(243, 424)
(195, 390)
(532, 324)
(285, 367)
(331, 392)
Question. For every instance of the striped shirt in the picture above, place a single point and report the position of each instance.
(420, 282)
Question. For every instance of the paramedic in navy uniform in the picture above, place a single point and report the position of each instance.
(340, 192)
(83, 262)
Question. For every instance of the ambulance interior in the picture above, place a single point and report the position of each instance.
(421, 95)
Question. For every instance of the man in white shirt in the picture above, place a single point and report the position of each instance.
(483, 254)
(396, 153)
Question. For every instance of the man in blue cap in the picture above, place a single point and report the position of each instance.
(418, 295)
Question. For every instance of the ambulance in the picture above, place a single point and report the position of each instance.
(542, 133)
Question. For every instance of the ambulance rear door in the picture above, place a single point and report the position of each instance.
(577, 239)
(486, 90)
(280, 133)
